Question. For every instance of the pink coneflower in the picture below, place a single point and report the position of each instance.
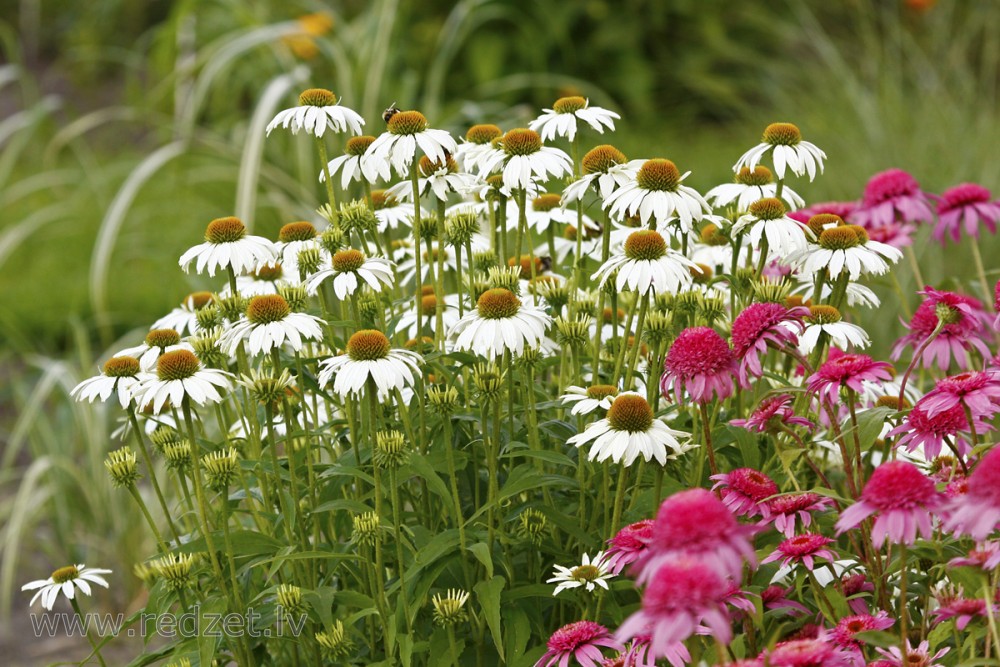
(771, 415)
(986, 557)
(952, 603)
(902, 496)
(816, 652)
(892, 196)
(776, 597)
(841, 209)
(637, 654)
(915, 657)
(975, 390)
(804, 548)
(920, 430)
(783, 510)
(681, 596)
(737, 598)
(760, 325)
(843, 635)
(977, 511)
(700, 363)
(964, 322)
(696, 524)
(744, 491)
(848, 370)
(854, 585)
(580, 641)
(965, 205)
(628, 544)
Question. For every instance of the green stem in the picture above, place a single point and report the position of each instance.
(152, 479)
(84, 624)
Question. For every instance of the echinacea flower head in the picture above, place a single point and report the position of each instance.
(892, 196)
(788, 150)
(759, 326)
(657, 194)
(751, 185)
(68, 580)
(228, 246)
(561, 120)
(441, 179)
(396, 148)
(269, 324)
(586, 400)
(963, 325)
(681, 596)
(350, 269)
(628, 544)
(369, 356)
(920, 431)
(500, 323)
(478, 142)
(776, 597)
(696, 524)
(449, 608)
(985, 556)
(772, 415)
(977, 391)
(919, 656)
(180, 376)
(580, 641)
(524, 161)
(184, 318)
(118, 376)
(766, 220)
(844, 634)
(348, 164)
(318, 111)
(845, 249)
(853, 586)
(813, 652)
(804, 548)
(952, 603)
(628, 431)
(847, 370)
(902, 496)
(605, 168)
(823, 318)
(744, 491)
(646, 265)
(977, 511)
(590, 574)
(841, 209)
(156, 342)
(701, 364)
(967, 206)
(783, 511)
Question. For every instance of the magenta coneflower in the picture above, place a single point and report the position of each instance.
(848, 370)
(843, 635)
(628, 544)
(902, 496)
(700, 363)
(952, 603)
(760, 325)
(915, 657)
(682, 595)
(816, 652)
(841, 209)
(977, 511)
(772, 415)
(737, 598)
(638, 654)
(853, 585)
(783, 511)
(892, 196)
(775, 597)
(580, 641)
(920, 430)
(965, 205)
(744, 491)
(976, 390)
(986, 557)
(804, 548)
(696, 524)
(964, 323)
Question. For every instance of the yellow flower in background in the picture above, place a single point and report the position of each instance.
(303, 44)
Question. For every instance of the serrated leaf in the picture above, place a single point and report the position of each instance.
(488, 593)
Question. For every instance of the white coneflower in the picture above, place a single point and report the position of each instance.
(265, 279)
(317, 112)
(605, 168)
(66, 579)
(751, 185)
(428, 305)
(524, 160)
(156, 343)
(184, 318)
(407, 263)
(589, 399)
(561, 119)
(348, 164)
(500, 323)
(565, 243)
(180, 375)
(656, 193)
(630, 430)
(391, 213)
(270, 324)
(784, 142)
(227, 245)
(396, 148)
(441, 179)
(293, 238)
(766, 220)
(827, 319)
(478, 141)
(117, 376)
(590, 574)
(546, 209)
(369, 355)
(846, 248)
(646, 264)
(350, 269)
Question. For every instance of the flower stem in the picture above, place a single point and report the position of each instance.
(84, 624)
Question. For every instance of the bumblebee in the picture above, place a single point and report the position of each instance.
(390, 112)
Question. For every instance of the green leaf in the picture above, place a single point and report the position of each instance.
(879, 638)
(488, 593)
(870, 424)
(518, 632)
(245, 543)
(209, 609)
(424, 470)
(482, 553)
(748, 445)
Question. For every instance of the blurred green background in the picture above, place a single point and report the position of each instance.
(125, 126)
